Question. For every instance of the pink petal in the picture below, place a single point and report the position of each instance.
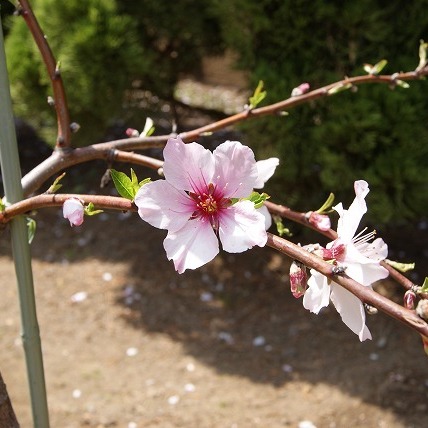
(351, 311)
(192, 246)
(265, 170)
(187, 166)
(235, 169)
(163, 206)
(317, 295)
(241, 227)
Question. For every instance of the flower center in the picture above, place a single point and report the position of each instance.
(209, 203)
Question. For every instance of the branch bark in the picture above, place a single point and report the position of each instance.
(7, 415)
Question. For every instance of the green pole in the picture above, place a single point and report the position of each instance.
(10, 167)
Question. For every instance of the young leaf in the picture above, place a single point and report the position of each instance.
(123, 184)
(402, 267)
(31, 225)
(327, 204)
(402, 84)
(258, 199)
(424, 288)
(282, 230)
(377, 68)
(258, 96)
(55, 186)
(145, 181)
(90, 209)
(339, 88)
(148, 128)
(423, 47)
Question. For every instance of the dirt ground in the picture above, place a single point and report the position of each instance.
(129, 343)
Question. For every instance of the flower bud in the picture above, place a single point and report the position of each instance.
(300, 90)
(409, 299)
(320, 221)
(74, 211)
(298, 279)
(131, 132)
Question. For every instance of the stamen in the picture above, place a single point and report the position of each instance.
(363, 239)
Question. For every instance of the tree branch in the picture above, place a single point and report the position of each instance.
(365, 294)
(61, 108)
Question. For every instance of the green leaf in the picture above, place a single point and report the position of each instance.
(55, 186)
(258, 199)
(424, 288)
(90, 210)
(402, 84)
(148, 128)
(2, 205)
(31, 225)
(339, 88)
(423, 47)
(327, 204)
(377, 68)
(145, 181)
(123, 184)
(282, 230)
(258, 96)
(402, 267)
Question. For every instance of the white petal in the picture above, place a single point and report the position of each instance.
(235, 169)
(163, 206)
(351, 311)
(241, 227)
(350, 219)
(187, 166)
(317, 295)
(192, 246)
(265, 170)
(268, 218)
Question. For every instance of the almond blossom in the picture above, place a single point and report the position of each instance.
(74, 211)
(359, 255)
(199, 202)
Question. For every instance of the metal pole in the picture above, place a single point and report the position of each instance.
(10, 167)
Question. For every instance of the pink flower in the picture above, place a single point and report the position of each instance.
(195, 202)
(74, 211)
(300, 90)
(359, 255)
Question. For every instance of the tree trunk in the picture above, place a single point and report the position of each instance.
(7, 415)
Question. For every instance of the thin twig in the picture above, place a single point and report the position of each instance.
(60, 100)
(365, 294)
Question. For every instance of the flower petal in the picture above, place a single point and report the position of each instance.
(317, 295)
(268, 218)
(241, 227)
(350, 219)
(235, 169)
(74, 211)
(187, 166)
(192, 246)
(163, 206)
(351, 311)
(265, 170)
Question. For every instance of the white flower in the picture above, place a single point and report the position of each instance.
(359, 255)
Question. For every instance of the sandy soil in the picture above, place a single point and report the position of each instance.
(129, 343)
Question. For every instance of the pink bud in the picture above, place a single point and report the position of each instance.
(73, 211)
(300, 90)
(298, 279)
(131, 132)
(320, 221)
(409, 299)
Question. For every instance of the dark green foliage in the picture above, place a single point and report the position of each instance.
(99, 57)
(375, 134)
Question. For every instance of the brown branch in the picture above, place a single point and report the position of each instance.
(7, 415)
(65, 158)
(61, 108)
(365, 294)
(55, 200)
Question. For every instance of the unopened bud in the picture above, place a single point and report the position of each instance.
(131, 132)
(51, 101)
(298, 279)
(74, 127)
(74, 211)
(409, 299)
(300, 90)
(320, 221)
